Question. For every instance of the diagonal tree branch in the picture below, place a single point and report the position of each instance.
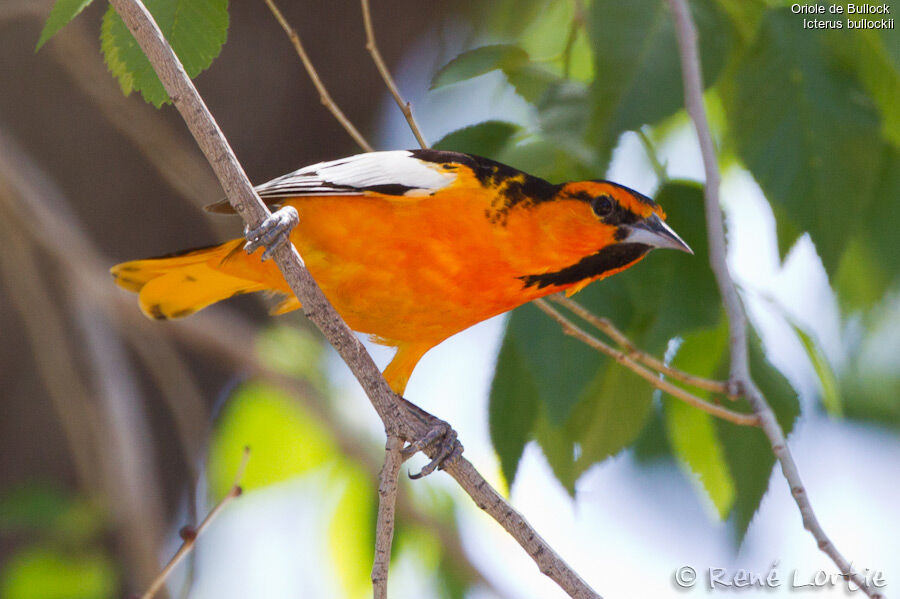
(608, 328)
(741, 381)
(570, 328)
(247, 204)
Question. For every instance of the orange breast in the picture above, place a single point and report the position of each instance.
(418, 270)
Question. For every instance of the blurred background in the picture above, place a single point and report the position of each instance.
(117, 431)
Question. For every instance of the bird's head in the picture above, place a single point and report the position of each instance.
(598, 228)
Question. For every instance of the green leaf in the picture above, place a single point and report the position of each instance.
(805, 129)
(559, 447)
(513, 407)
(529, 80)
(196, 30)
(479, 61)
(860, 281)
(561, 366)
(747, 451)
(786, 231)
(61, 14)
(638, 72)
(830, 391)
(692, 432)
(284, 438)
(745, 15)
(617, 405)
(40, 573)
(871, 262)
(484, 139)
(652, 444)
(881, 77)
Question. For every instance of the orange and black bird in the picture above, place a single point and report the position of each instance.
(414, 246)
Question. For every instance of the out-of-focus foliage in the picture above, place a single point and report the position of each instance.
(196, 29)
(64, 556)
(812, 114)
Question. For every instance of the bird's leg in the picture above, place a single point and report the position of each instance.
(272, 232)
(440, 432)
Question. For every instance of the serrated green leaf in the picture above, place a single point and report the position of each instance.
(612, 414)
(638, 73)
(513, 407)
(830, 391)
(805, 129)
(747, 451)
(561, 366)
(692, 432)
(652, 444)
(786, 232)
(484, 139)
(61, 14)
(479, 61)
(560, 449)
(196, 30)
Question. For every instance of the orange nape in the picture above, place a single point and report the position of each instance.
(413, 247)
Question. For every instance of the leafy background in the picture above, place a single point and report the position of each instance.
(812, 118)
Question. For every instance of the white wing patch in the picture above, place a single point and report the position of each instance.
(394, 172)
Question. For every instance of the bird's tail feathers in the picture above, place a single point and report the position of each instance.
(180, 284)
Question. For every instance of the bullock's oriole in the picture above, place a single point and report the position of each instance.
(414, 246)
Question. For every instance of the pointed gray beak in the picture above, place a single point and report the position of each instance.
(654, 232)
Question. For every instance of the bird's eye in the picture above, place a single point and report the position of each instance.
(602, 205)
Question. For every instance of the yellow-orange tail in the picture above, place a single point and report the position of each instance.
(180, 284)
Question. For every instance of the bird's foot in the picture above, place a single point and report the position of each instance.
(272, 232)
(439, 433)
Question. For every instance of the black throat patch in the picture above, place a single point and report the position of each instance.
(607, 259)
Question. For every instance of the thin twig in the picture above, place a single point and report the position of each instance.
(372, 47)
(609, 329)
(240, 193)
(622, 358)
(741, 380)
(324, 96)
(384, 528)
(190, 535)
